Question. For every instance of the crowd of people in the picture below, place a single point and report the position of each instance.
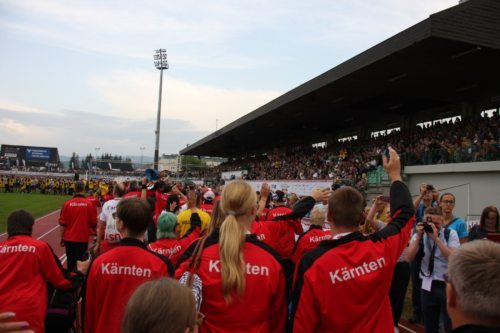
(250, 261)
(460, 140)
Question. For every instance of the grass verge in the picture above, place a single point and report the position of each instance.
(37, 204)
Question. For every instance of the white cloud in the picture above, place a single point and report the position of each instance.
(80, 132)
(12, 127)
(200, 30)
(135, 94)
(10, 105)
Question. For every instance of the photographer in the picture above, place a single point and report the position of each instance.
(428, 197)
(433, 244)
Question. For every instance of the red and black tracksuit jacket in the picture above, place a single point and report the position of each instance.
(79, 218)
(309, 240)
(173, 248)
(277, 211)
(262, 307)
(284, 237)
(112, 279)
(26, 265)
(343, 285)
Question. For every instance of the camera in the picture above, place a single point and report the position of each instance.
(427, 226)
(430, 188)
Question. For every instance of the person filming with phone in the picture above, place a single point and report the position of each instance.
(433, 244)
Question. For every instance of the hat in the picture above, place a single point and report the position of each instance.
(166, 225)
(151, 174)
(209, 195)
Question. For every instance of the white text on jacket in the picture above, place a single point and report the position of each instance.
(115, 269)
(345, 274)
(17, 248)
(214, 266)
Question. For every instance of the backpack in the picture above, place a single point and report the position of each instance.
(111, 234)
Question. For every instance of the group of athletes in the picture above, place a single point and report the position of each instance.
(244, 265)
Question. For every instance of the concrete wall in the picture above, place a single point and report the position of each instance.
(475, 185)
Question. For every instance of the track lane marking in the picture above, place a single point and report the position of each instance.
(406, 328)
(42, 217)
(48, 232)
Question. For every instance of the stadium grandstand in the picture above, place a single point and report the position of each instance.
(432, 91)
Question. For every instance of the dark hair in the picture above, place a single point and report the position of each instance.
(280, 196)
(447, 193)
(135, 214)
(345, 207)
(79, 187)
(20, 222)
(433, 211)
(133, 186)
(171, 198)
(485, 213)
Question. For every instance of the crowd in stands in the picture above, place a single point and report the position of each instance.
(252, 261)
(452, 141)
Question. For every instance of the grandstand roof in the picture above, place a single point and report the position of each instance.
(433, 67)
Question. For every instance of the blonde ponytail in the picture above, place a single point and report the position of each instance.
(232, 237)
(237, 199)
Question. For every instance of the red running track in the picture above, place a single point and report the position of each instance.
(47, 228)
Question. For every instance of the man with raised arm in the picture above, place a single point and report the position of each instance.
(343, 284)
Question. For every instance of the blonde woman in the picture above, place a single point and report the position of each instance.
(243, 281)
(160, 306)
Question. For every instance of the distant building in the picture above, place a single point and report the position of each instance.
(170, 163)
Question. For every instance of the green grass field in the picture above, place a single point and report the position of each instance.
(36, 204)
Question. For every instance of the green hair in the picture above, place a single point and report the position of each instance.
(166, 225)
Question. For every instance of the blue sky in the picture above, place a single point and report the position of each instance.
(79, 74)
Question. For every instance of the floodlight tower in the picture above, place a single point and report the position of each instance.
(161, 63)
(96, 152)
(142, 151)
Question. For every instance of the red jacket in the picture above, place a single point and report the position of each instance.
(94, 200)
(343, 284)
(113, 277)
(79, 218)
(173, 248)
(280, 210)
(309, 240)
(161, 202)
(285, 240)
(262, 307)
(207, 208)
(133, 194)
(26, 266)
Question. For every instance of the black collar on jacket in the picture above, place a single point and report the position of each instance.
(129, 241)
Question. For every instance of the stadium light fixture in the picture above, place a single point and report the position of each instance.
(161, 63)
(96, 152)
(142, 151)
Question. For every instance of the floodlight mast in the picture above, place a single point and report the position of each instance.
(161, 63)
